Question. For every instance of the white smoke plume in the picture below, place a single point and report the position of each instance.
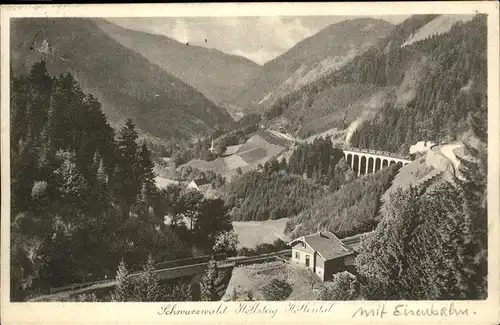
(366, 115)
(352, 128)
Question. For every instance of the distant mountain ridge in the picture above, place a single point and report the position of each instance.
(326, 51)
(126, 84)
(216, 74)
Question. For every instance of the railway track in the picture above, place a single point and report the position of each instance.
(178, 271)
(164, 274)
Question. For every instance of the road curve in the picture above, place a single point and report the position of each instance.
(447, 151)
(284, 136)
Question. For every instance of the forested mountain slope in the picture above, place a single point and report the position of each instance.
(215, 74)
(326, 51)
(257, 196)
(340, 97)
(76, 191)
(83, 198)
(126, 84)
(352, 209)
(451, 87)
(436, 240)
(398, 95)
(280, 189)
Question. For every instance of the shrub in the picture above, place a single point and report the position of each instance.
(39, 190)
(177, 290)
(226, 242)
(277, 290)
(91, 297)
(344, 286)
(249, 296)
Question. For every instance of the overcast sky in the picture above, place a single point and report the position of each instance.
(258, 38)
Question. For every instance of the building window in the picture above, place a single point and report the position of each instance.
(297, 255)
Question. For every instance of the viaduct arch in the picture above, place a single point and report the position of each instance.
(364, 161)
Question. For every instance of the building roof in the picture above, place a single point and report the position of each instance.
(326, 244)
(201, 181)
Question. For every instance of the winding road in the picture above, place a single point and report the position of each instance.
(284, 136)
(447, 151)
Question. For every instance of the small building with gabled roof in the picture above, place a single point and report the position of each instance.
(323, 253)
(200, 184)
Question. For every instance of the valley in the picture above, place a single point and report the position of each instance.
(147, 169)
(215, 74)
(328, 50)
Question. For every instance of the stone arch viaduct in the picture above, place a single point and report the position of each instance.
(367, 161)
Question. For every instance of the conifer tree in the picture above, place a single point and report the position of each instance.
(473, 184)
(127, 140)
(425, 248)
(148, 287)
(148, 189)
(101, 173)
(38, 106)
(18, 113)
(208, 285)
(129, 171)
(56, 117)
(70, 183)
(45, 153)
(191, 207)
(283, 164)
(123, 288)
(178, 291)
(143, 204)
(213, 220)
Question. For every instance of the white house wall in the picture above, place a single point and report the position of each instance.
(303, 252)
(320, 271)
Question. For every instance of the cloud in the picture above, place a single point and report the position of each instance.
(185, 32)
(180, 32)
(259, 39)
(285, 32)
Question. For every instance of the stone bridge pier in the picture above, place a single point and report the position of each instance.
(365, 162)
